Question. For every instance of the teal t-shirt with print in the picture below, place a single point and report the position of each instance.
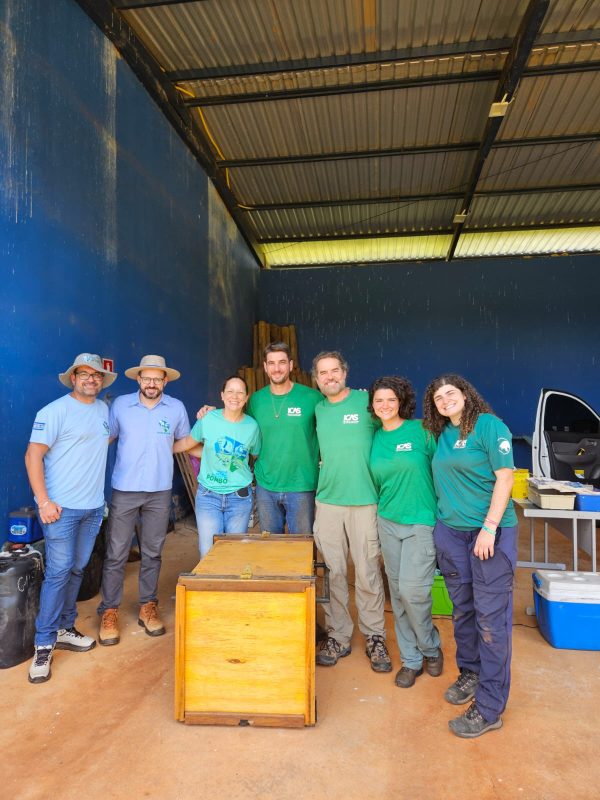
(225, 464)
(289, 456)
(401, 468)
(345, 432)
(463, 472)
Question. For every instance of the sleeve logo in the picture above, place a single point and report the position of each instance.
(504, 446)
(39, 426)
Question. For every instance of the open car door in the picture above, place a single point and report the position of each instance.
(566, 439)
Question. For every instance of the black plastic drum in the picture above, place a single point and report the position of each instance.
(21, 575)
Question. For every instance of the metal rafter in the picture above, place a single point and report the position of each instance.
(347, 155)
(416, 198)
(327, 237)
(130, 5)
(484, 76)
(514, 67)
(456, 50)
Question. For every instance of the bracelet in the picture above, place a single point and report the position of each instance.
(488, 530)
(493, 521)
(45, 503)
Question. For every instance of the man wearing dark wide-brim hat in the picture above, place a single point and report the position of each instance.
(146, 424)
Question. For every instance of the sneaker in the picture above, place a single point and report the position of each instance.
(71, 639)
(40, 671)
(406, 677)
(434, 664)
(149, 619)
(463, 688)
(378, 653)
(109, 627)
(471, 724)
(330, 650)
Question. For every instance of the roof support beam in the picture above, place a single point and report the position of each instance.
(416, 198)
(115, 28)
(299, 65)
(546, 226)
(484, 76)
(514, 67)
(130, 5)
(461, 147)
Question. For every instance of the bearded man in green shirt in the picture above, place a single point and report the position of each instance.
(288, 465)
(346, 515)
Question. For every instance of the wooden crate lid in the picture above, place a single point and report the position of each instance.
(258, 558)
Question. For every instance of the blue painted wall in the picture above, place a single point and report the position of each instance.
(104, 229)
(510, 326)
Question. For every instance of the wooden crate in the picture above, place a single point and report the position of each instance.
(245, 635)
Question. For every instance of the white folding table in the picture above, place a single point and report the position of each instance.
(580, 526)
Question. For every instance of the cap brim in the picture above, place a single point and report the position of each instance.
(109, 378)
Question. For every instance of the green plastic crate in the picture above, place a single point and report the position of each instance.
(442, 605)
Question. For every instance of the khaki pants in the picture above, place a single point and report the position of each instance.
(339, 530)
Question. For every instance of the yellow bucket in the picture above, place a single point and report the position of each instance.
(520, 485)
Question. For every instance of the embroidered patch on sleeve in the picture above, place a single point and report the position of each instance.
(39, 426)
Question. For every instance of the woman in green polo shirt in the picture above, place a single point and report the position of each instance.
(401, 467)
(476, 542)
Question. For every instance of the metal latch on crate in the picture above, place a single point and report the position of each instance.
(326, 596)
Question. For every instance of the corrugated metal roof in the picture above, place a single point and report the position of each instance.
(323, 101)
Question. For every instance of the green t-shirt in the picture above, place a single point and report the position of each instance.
(289, 456)
(345, 431)
(401, 468)
(225, 467)
(463, 472)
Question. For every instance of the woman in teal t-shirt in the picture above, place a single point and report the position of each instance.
(229, 437)
(476, 542)
(401, 467)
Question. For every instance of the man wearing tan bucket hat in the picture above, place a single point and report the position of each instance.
(66, 462)
(146, 423)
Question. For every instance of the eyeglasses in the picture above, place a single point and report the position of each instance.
(155, 381)
(90, 376)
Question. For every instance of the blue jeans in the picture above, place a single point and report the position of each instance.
(69, 544)
(220, 513)
(482, 594)
(277, 508)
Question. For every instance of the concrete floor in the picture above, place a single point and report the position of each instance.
(103, 726)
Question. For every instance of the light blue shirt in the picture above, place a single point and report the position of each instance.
(144, 460)
(77, 435)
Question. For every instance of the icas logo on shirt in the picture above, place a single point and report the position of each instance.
(294, 412)
(404, 447)
(503, 445)
(460, 444)
(350, 419)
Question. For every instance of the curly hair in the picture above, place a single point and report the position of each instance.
(475, 405)
(402, 388)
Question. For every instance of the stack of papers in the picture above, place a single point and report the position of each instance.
(566, 487)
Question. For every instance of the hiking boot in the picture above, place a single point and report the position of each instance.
(109, 627)
(149, 619)
(463, 688)
(406, 677)
(330, 650)
(434, 664)
(471, 724)
(40, 671)
(71, 639)
(378, 653)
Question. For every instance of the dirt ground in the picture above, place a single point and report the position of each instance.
(103, 726)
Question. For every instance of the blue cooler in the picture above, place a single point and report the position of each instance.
(24, 526)
(587, 502)
(567, 606)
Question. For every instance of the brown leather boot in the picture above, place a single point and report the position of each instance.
(149, 619)
(109, 627)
